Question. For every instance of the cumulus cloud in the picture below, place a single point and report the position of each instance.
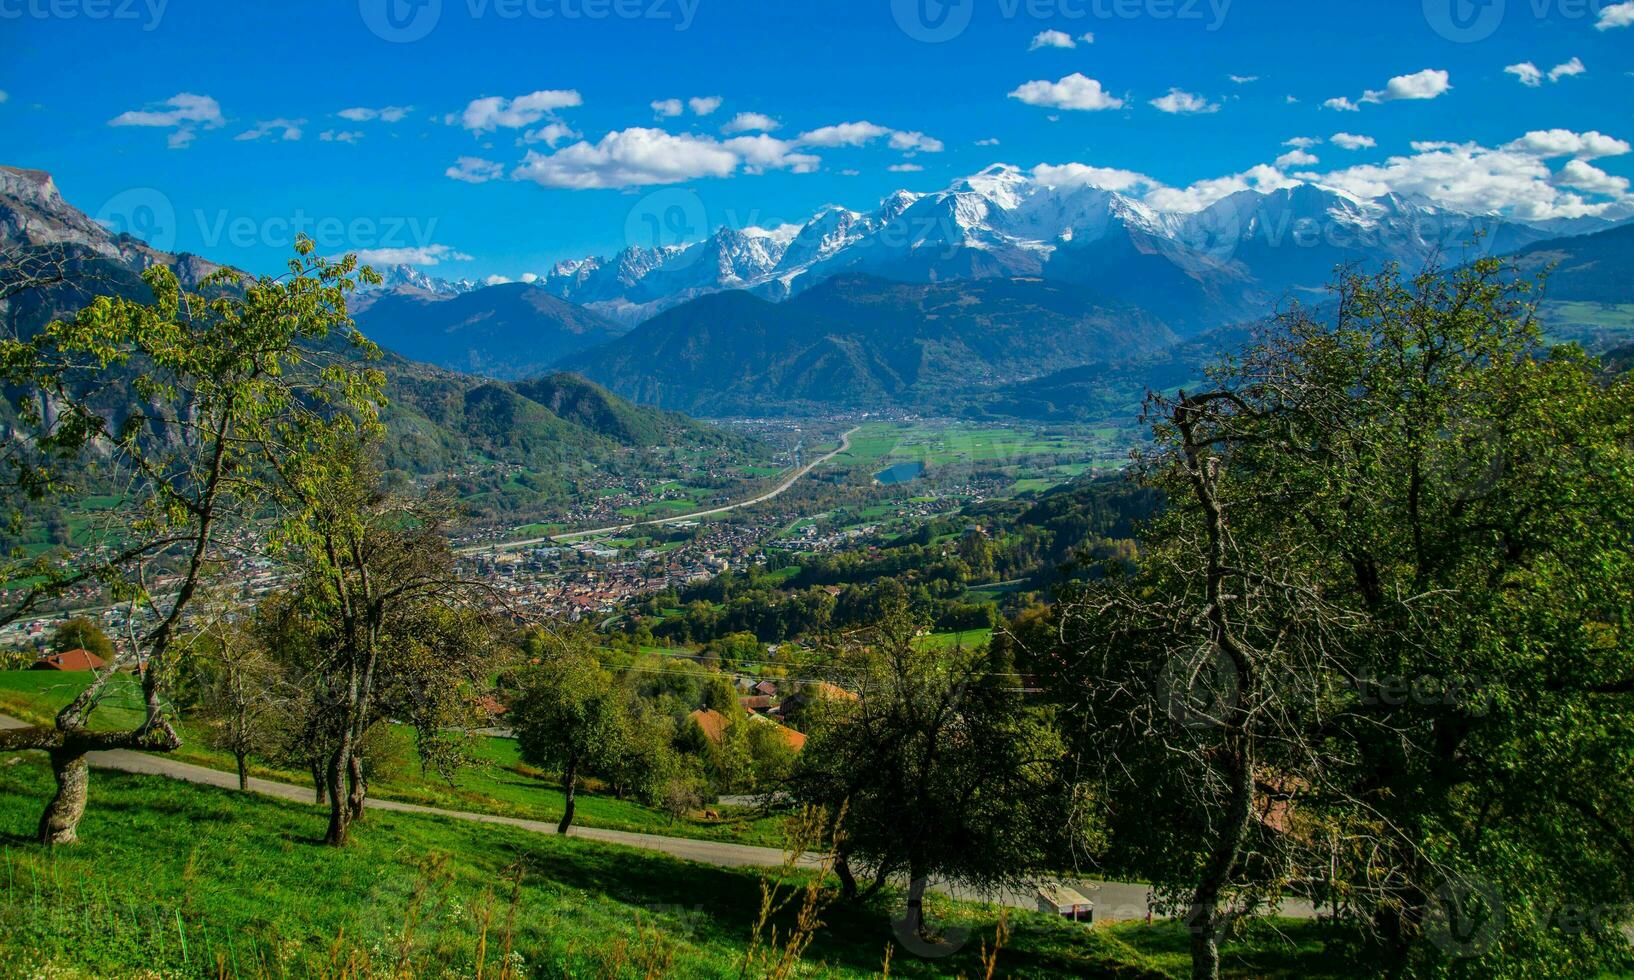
(1075, 91)
(530, 277)
(636, 157)
(184, 113)
(1567, 70)
(1083, 175)
(749, 122)
(340, 135)
(287, 129)
(668, 108)
(1297, 158)
(1548, 143)
(761, 153)
(550, 134)
(1201, 194)
(844, 134)
(1243, 79)
(475, 170)
(386, 114)
(1350, 141)
(416, 255)
(1616, 15)
(1586, 177)
(915, 142)
(1302, 142)
(1179, 102)
(1340, 104)
(904, 168)
(1053, 39)
(495, 112)
(704, 105)
(1427, 84)
(1513, 179)
(1527, 73)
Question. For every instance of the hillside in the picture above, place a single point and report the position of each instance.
(862, 342)
(509, 331)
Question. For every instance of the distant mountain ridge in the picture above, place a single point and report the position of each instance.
(1196, 270)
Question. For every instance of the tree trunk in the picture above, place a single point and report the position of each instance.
(340, 813)
(570, 778)
(1205, 951)
(60, 822)
(848, 881)
(360, 787)
(916, 902)
(243, 772)
(320, 788)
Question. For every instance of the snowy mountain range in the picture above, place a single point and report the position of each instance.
(1193, 268)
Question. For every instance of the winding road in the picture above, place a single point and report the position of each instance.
(791, 480)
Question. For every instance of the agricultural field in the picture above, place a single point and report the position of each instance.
(1037, 456)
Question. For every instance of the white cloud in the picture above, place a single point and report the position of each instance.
(287, 129)
(495, 280)
(475, 170)
(494, 112)
(1513, 179)
(1082, 175)
(904, 168)
(1567, 70)
(1350, 141)
(1616, 15)
(1184, 103)
(184, 112)
(1075, 91)
(761, 153)
(636, 157)
(748, 122)
(704, 105)
(550, 134)
(1590, 179)
(387, 114)
(1052, 39)
(1340, 104)
(668, 108)
(989, 141)
(1243, 79)
(418, 255)
(3, 96)
(844, 134)
(1205, 192)
(915, 142)
(1427, 84)
(1297, 158)
(1548, 143)
(1527, 73)
(340, 136)
(530, 277)
(1302, 142)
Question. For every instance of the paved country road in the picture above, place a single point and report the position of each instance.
(1114, 901)
(793, 478)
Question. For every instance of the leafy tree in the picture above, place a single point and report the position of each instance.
(1379, 641)
(234, 386)
(939, 767)
(572, 717)
(80, 633)
(382, 621)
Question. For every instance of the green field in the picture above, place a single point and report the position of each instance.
(1035, 453)
(175, 880)
(497, 781)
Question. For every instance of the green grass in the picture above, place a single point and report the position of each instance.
(176, 880)
(969, 639)
(499, 782)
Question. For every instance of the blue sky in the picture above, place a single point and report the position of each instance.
(144, 110)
